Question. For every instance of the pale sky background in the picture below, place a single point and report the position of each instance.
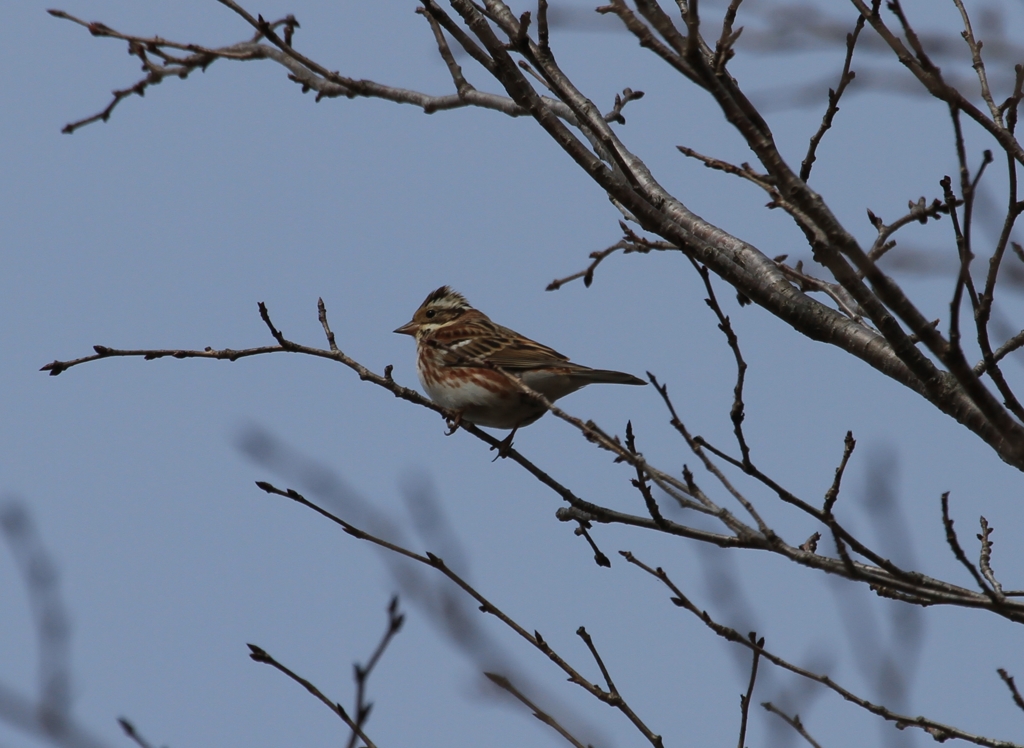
(165, 226)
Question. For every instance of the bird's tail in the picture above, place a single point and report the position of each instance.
(607, 376)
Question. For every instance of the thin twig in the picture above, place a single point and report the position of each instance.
(885, 577)
(736, 412)
(963, 276)
(542, 25)
(1011, 345)
(937, 730)
(695, 443)
(807, 283)
(257, 654)
(362, 673)
(727, 39)
(984, 311)
(581, 632)
(485, 605)
(462, 86)
(849, 443)
(506, 685)
(958, 551)
(793, 722)
(985, 560)
(640, 482)
(918, 211)
(1008, 680)
(744, 171)
(845, 78)
(746, 698)
(978, 64)
(628, 95)
(588, 274)
(583, 530)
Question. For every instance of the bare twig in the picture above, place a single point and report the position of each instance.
(485, 605)
(302, 70)
(845, 78)
(849, 443)
(588, 274)
(1008, 680)
(581, 632)
(542, 25)
(978, 64)
(736, 412)
(744, 171)
(142, 47)
(983, 312)
(793, 722)
(628, 95)
(696, 444)
(937, 730)
(461, 84)
(506, 685)
(884, 577)
(583, 530)
(918, 211)
(985, 560)
(954, 544)
(362, 672)
(640, 482)
(1006, 348)
(844, 301)
(724, 46)
(745, 698)
(257, 654)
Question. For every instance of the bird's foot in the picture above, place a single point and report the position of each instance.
(504, 447)
(453, 424)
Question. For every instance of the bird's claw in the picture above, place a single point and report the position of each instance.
(453, 424)
(504, 447)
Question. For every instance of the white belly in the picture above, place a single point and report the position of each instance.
(475, 395)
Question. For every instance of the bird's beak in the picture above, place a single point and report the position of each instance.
(409, 328)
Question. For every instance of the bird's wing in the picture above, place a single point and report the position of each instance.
(499, 346)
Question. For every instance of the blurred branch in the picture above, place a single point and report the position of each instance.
(133, 734)
(922, 67)
(485, 605)
(47, 717)
(883, 575)
(937, 730)
(502, 44)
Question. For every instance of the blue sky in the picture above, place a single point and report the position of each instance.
(166, 225)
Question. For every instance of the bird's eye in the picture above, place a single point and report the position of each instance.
(431, 313)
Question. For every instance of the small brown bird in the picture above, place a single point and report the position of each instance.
(452, 341)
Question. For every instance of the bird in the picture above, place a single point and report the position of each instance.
(460, 357)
